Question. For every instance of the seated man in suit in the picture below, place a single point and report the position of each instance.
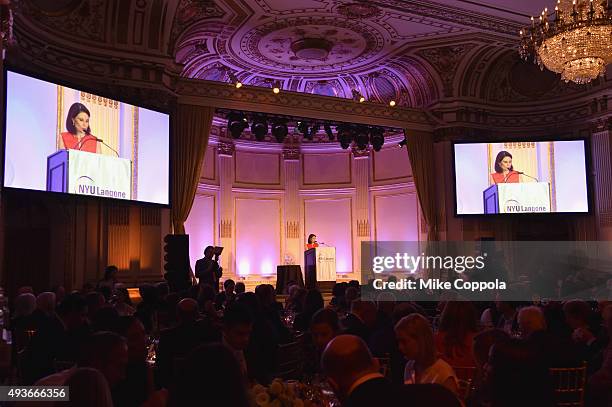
(175, 343)
(354, 375)
(361, 320)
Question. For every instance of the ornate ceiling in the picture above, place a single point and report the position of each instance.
(437, 54)
(386, 49)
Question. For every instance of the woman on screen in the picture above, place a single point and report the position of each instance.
(504, 172)
(78, 136)
(312, 241)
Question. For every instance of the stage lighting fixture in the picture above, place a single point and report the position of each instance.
(362, 138)
(329, 132)
(236, 123)
(313, 131)
(402, 143)
(234, 80)
(303, 128)
(345, 136)
(259, 128)
(276, 87)
(377, 138)
(357, 96)
(279, 130)
(392, 103)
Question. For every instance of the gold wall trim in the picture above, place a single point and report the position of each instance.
(60, 115)
(551, 170)
(135, 134)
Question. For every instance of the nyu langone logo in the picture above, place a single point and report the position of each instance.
(323, 257)
(87, 186)
(514, 206)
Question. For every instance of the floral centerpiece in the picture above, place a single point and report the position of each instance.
(281, 394)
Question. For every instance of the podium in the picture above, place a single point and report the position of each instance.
(520, 197)
(84, 173)
(319, 265)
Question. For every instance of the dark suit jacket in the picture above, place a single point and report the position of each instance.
(209, 272)
(354, 326)
(177, 342)
(556, 350)
(375, 392)
(428, 395)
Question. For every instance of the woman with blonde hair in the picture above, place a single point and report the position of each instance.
(415, 341)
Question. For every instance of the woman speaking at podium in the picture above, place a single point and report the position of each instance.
(312, 241)
(504, 172)
(78, 136)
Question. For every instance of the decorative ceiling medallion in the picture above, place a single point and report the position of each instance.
(311, 48)
(359, 10)
(323, 44)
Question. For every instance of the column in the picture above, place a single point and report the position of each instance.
(226, 206)
(292, 247)
(361, 169)
(602, 167)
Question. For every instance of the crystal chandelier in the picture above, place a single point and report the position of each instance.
(576, 41)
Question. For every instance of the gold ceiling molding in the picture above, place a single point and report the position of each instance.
(226, 96)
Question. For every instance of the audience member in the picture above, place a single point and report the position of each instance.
(415, 341)
(598, 389)
(123, 303)
(313, 302)
(456, 332)
(517, 376)
(361, 320)
(237, 328)
(176, 342)
(354, 375)
(88, 387)
(110, 279)
(210, 375)
(240, 288)
(138, 385)
(228, 295)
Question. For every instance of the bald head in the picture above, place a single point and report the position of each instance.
(345, 360)
(187, 310)
(531, 319)
(46, 302)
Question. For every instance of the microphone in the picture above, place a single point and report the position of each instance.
(99, 140)
(509, 173)
(529, 176)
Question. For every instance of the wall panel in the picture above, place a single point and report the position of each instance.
(258, 235)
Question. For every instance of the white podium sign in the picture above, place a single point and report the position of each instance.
(83, 173)
(326, 263)
(524, 197)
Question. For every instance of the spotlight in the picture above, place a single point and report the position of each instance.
(357, 96)
(313, 131)
(234, 80)
(392, 103)
(276, 87)
(377, 138)
(279, 130)
(259, 128)
(303, 128)
(329, 132)
(345, 136)
(403, 142)
(236, 123)
(362, 138)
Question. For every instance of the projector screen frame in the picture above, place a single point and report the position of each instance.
(486, 140)
(73, 85)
